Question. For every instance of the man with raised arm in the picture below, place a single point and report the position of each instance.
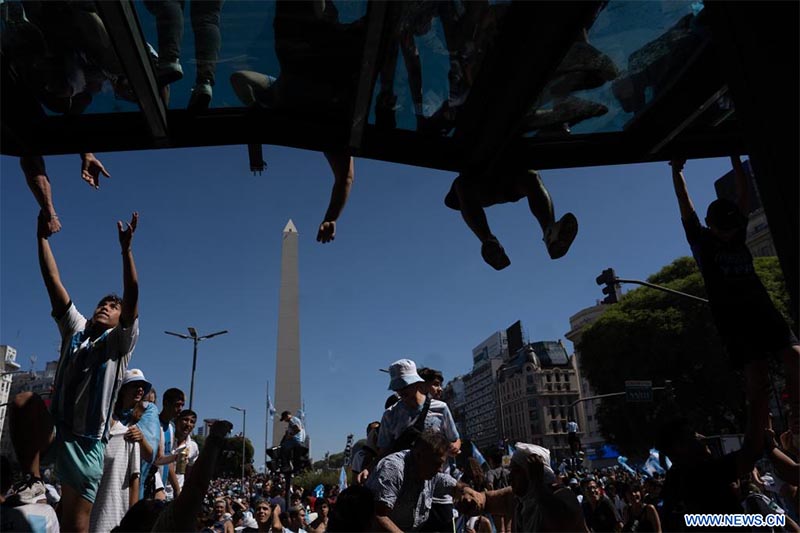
(36, 176)
(94, 356)
(746, 319)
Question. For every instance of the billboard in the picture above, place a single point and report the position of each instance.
(494, 346)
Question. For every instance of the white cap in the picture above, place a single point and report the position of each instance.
(402, 374)
(133, 375)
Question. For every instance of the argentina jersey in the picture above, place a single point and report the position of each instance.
(89, 375)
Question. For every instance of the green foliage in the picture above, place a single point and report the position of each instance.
(311, 479)
(657, 336)
(230, 461)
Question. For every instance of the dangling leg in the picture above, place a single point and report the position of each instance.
(558, 236)
(475, 217)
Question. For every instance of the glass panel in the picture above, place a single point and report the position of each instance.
(60, 53)
(435, 53)
(313, 64)
(634, 50)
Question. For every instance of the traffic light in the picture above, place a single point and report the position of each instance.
(611, 289)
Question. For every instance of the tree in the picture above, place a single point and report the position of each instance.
(230, 463)
(657, 336)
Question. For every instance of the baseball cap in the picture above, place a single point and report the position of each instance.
(725, 215)
(135, 375)
(403, 373)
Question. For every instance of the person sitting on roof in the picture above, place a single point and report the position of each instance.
(471, 193)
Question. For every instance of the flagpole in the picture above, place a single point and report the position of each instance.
(266, 432)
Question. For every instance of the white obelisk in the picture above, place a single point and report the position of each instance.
(287, 360)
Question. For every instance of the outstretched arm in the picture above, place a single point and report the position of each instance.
(91, 168)
(36, 177)
(130, 280)
(343, 173)
(741, 185)
(189, 502)
(59, 298)
(678, 181)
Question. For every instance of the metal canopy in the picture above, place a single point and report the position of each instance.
(686, 80)
(532, 38)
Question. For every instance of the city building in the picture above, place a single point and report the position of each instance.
(538, 394)
(759, 239)
(480, 390)
(8, 366)
(455, 396)
(591, 437)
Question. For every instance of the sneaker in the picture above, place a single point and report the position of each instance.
(30, 490)
(494, 254)
(559, 236)
(201, 97)
(169, 72)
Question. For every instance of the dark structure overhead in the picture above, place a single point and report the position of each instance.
(460, 86)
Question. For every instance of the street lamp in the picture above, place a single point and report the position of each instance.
(193, 335)
(244, 425)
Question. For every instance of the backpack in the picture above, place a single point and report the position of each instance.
(409, 436)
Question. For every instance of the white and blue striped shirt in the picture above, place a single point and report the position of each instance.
(398, 417)
(89, 375)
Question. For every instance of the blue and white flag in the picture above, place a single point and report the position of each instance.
(319, 492)
(476, 453)
(342, 480)
(270, 409)
(623, 461)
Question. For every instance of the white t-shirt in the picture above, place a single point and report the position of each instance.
(120, 463)
(194, 452)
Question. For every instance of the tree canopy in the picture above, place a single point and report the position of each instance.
(657, 336)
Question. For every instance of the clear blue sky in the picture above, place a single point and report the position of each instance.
(404, 277)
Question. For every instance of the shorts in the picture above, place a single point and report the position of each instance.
(492, 190)
(79, 464)
(755, 335)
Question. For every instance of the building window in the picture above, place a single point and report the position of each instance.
(566, 385)
(548, 377)
(529, 380)
(558, 377)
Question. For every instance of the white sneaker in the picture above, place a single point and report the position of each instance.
(31, 490)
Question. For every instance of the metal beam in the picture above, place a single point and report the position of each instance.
(696, 87)
(123, 29)
(369, 64)
(534, 38)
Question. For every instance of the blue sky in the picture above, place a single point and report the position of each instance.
(404, 277)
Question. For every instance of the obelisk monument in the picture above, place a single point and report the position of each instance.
(287, 360)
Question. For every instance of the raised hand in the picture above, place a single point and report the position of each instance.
(327, 231)
(47, 224)
(677, 163)
(126, 232)
(91, 168)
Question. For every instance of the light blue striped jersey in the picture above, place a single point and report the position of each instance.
(399, 416)
(89, 375)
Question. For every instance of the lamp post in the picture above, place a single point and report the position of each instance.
(244, 425)
(193, 335)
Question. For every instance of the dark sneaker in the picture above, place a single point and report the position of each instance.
(31, 490)
(201, 97)
(494, 254)
(559, 236)
(169, 72)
